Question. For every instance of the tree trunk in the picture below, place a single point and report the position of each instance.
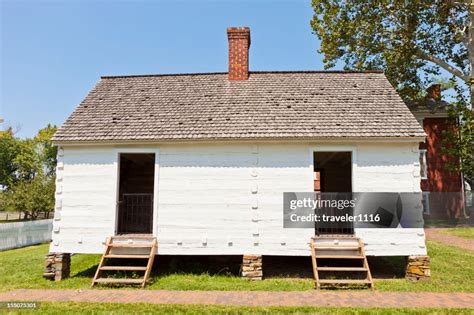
(471, 70)
(471, 52)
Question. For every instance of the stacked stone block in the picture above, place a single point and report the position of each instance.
(252, 267)
(418, 268)
(57, 266)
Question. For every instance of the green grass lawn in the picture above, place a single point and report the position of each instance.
(139, 308)
(464, 232)
(452, 270)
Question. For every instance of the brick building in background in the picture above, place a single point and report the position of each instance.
(443, 190)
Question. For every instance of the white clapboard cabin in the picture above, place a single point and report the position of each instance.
(200, 161)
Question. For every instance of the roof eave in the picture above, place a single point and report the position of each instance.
(418, 138)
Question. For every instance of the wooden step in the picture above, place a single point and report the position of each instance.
(132, 236)
(335, 237)
(339, 257)
(319, 250)
(337, 247)
(133, 245)
(119, 280)
(123, 268)
(129, 241)
(344, 281)
(342, 269)
(126, 256)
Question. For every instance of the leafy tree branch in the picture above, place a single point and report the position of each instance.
(27, 172)
(443, 64)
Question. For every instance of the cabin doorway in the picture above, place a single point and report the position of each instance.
(333, 176)
(135, 193)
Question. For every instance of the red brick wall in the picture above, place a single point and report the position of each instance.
(239, 44)
(439, 178)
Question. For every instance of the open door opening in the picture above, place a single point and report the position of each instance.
(135, 195)
(333, 174)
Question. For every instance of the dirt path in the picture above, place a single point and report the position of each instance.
(249, 298)
(434, 234)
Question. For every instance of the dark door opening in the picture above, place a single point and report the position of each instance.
(333, 177)
(135, 196)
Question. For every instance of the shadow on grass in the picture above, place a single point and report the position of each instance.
(274, 266)
(86, 273)
(223, 272)
(388, 267)
(197, 265)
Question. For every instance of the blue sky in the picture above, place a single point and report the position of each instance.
(53, 52)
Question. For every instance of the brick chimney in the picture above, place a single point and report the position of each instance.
(239, 44)
(434, 92)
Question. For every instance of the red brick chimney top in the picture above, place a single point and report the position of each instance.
(239, 44)
(434, 92)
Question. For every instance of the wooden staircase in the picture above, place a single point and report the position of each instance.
(127, 247)
(335, 250)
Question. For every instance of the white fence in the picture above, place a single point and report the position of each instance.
(20, 234)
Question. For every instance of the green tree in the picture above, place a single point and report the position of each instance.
(31, 197)
(27, 170)
(459, 143)
(45, 150)
(412, 41)
(9, 149)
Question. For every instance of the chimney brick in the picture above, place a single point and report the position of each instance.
(239, 44)
(434, 92)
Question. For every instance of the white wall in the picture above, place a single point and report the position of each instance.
(389, 168)
(85, 199)
(225, 198)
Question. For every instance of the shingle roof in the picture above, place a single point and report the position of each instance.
(270, 105)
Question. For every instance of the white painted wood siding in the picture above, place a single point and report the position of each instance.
(225, 198)
(85, 199)
(389, 168)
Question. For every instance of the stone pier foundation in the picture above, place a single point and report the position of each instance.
(57, 266)
(418, 268)
(252, 267)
